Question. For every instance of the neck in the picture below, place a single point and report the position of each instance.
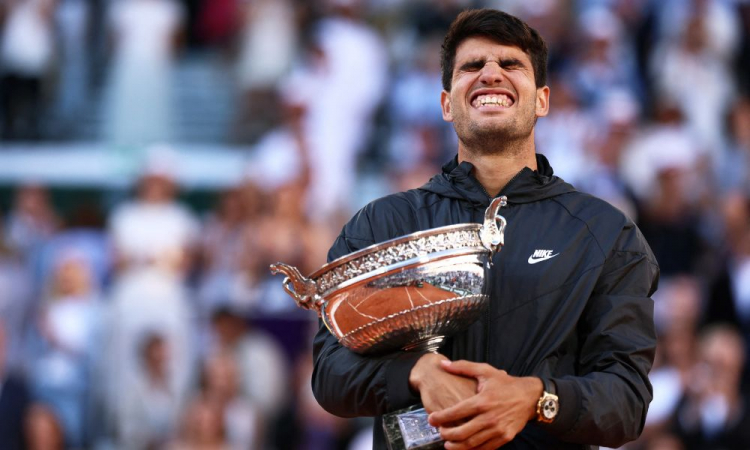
(495, 170)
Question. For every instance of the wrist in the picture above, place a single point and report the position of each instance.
(420, 372)
(536, 390)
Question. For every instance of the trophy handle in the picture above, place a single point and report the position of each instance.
(492, 233)
(302, 289)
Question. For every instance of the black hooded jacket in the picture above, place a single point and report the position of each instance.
(582, 317)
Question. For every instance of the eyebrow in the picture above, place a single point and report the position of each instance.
(477, 63)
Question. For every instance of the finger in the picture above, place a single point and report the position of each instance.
(462, 431)
(475, 441)
(466, 368)
(460, 412)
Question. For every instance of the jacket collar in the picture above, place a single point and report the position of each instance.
(458, 181)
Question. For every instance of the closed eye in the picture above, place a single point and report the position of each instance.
(472, 66)
(511, 63)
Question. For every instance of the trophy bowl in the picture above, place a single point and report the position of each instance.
(406, 293)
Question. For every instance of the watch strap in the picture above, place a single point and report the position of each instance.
(548, 386)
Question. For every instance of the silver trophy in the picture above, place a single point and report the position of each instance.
(407, 293)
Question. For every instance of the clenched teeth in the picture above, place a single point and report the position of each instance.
(498, 100)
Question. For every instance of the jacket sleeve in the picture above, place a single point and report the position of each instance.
(606, 403)
(348, 384)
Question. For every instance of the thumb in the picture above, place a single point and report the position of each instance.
(465, 368)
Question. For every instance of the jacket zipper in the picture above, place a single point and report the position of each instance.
(489, 306)
(518, 174)
(489, 197)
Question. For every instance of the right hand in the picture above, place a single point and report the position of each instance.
(438, 388)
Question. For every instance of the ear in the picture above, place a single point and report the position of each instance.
(542, 101)
(445, 103)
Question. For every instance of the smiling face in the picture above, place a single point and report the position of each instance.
(493, 98)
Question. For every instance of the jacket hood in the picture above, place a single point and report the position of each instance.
(458, 181)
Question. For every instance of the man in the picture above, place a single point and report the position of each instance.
(570, 321)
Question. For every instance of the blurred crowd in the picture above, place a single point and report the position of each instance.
(148, 322)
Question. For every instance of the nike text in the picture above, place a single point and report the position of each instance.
(541, 255)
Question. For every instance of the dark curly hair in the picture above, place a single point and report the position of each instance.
(500, 27)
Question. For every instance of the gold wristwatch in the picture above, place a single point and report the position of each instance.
(548, 405)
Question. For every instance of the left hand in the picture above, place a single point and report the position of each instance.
(491, 418)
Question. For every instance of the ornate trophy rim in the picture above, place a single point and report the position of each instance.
(398, 266)
(405, 264)
(393, 242)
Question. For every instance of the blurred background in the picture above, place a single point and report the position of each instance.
(157, 155)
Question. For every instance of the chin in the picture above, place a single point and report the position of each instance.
(492, 132)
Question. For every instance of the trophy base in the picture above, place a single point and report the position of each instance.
(408, 429)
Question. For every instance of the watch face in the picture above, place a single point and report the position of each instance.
(549, 408)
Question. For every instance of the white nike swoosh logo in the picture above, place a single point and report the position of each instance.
(533, 260)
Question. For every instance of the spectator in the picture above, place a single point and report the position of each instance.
(32, 221)
(347, 52)
(605, 61)
(72, 21)
(154, 237)
(154, 231)
(202, 427)
(242, 421)
(671, 222)
(89, 242)
(679, 67)
(732, 170)
(67, 347)
(258, 358)
(729, 291)
(150, 412)
(222, 251)
(230, 260)
(678, 306)
(27, 52)
(617, 124)
(262, 62)
(722, 25)
(715, 413)
(659, 166)
(145, 35)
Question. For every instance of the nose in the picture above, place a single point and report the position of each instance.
(491, 73)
